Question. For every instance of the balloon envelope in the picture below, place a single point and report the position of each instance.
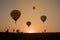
(34, 8)
(43, 18)
(28, 23)
(15, 14)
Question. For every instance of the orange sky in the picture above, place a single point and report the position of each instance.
(50, 8)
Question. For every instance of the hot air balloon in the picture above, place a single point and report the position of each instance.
(15, 14)
(28, 23)
(34, 7)
(43, 18)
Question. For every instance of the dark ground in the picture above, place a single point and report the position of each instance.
(29, 36)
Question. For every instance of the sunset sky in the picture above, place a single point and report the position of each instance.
(50, 8)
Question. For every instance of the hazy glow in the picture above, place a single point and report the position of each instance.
(31, 31)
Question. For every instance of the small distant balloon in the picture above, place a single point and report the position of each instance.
(34, 7)
(28, 23)
(43, 18)
(15, 14)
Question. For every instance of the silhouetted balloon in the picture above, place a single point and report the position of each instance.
(34, 7)
(28, 23)
(15, 14)
(43, 18)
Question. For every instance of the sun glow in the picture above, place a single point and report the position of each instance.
(31, 31)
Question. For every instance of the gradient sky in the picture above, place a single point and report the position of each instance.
(50, 8)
